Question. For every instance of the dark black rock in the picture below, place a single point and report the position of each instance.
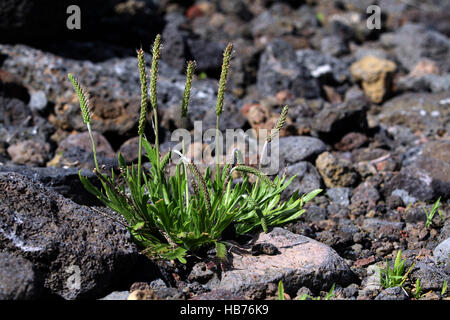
(43, 23)
(323, 66)
(415, 41)
(314, 213)
(81, 253)
(300, 148)
(218, 294)
(425, 179)
(333, 122)
(307, 178)
(264, 248)
(64, 181)
(431, 277)
(279, 70)
(396, 293)
(18, 279)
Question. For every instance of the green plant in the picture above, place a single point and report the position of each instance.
(395, 276)
(444, 287)
(320, 17)
(280, 290)
(418, 290)
(162, 216)
(430, 215)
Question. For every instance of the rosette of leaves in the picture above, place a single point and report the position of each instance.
(166, 220)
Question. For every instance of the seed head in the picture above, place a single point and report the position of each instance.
(223, 78)
(144, 91)
(83, 97)
(154, 69)
(187, 88)
(280, 124)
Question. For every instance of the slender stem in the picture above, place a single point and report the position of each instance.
(156, 135)
(262, 154)
(260, 161)
(217, 148)
(185, 174)
(139, 162)
(93, 146)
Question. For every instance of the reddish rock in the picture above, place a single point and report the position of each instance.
(30, 152)
(351, 141)
(364, 262)
(301, 262)
(83, 141)
(424, 67)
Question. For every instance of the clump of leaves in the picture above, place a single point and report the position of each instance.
(395, 276)
(430, 215)
(162, 216)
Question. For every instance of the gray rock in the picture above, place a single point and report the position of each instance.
(426, 112)
(18, 123)
(333, 122)
(81, 253)
(396, 293)
(303, 262)
(201, 273)
(38, 101)
(365, 195)
(429, 82)
(404, 195)
(340, 195)
(279, 70)
(157, 284)
(117, 295)
(236, 7)
(64, 181)
(333, 45)
(18, 280)
(307, 178)
(218, 295)
(207, 53)
(415, 215)
(280, 20)
(431, 277)
(112, 84)
(425, 179)
(415, 41)
(363, 51)
(442, 251)
(314, 61)
(314, 213)
(439, 83)
(299, 148)
(174, 39)
(382, 228)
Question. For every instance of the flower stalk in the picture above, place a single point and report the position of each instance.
(220, 98)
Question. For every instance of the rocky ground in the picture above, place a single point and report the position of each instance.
(369, 122)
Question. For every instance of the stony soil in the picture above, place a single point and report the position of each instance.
(369, 123)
